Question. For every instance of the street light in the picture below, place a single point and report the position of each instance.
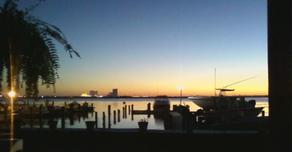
(11, 94)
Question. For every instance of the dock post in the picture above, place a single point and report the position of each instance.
(79, 118)
(129, 109)
(149, 107)
(109, 110)
(63, 119)
(263, 113)
(63, 122)
(103, 120)
(195, 118)
(31, 119)
(115, 117)
(132, 109)
(119, 115)
(123, 113)
(40, 116)
(109, 116)
(71, 119)
(96, 120)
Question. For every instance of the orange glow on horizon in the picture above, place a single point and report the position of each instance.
(145, 84)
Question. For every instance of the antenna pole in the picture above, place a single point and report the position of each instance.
(215, 82)
(180, 96)
(238, 82)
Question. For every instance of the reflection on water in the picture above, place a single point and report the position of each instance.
(118, 119)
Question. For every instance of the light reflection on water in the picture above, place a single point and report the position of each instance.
(101, 105)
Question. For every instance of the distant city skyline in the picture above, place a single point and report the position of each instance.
(150, 47)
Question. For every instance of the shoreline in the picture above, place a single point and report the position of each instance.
(120, 97)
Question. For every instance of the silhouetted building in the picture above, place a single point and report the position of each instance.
(93, 93)
(114, 93)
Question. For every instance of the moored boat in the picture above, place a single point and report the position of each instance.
(161, 104)
(226, 108)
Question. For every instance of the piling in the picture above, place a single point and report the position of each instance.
(31, 119)
(63, 119)
(96, 120)
(109, 110)
(119, 115)
(123, 112)
(263, 113)
(129, 109)
(103, 120)
(63, 123)
(132, 109)
(40, 116)
(71, 120)
(149, 107)
(195, 118)
(109, 116)
(109, 123)
(115, 117)
(79, 107)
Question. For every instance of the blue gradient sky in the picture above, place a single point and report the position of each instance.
(149, 47)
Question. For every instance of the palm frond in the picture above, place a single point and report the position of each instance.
(32, 7)
(55, 33)
(34, 49)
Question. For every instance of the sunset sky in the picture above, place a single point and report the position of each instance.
(150, 47)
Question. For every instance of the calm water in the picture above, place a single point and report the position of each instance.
(101, 106)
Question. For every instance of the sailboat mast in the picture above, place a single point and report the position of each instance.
(215, 82)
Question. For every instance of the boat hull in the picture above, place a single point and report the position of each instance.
(204, 102)
(226, 108)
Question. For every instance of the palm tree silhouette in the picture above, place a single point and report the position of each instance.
(27, 49)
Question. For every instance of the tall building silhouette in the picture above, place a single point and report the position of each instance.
(114, 93)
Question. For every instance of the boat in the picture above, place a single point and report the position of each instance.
(226, 108)
(161, 104)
